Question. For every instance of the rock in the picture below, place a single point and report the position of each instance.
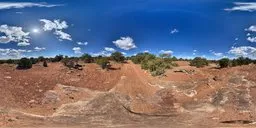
(50, 97)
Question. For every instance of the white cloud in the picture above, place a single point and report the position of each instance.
(9, 53)
(167, 52)
(248, 34)
(77, 50)
(125, 43)
(174, 31)
(110, 49)
(82, 43)
(39, 49)
(218, 54)
(62, 35)
(102, 53)
(146, 51)
(246, 51)
(57, 26)
(252, 39)
(243, 6)
(251, 28)
(123, 53)
(14, 34)
(10, 5)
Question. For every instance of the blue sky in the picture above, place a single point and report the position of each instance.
(183, 28)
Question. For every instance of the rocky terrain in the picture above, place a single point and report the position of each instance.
(127, 96)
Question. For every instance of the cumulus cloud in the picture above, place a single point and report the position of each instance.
(251, 39)
(243, 6)
(62, 35)
(57, 26)
(14, 34)
(77, 50)
(166, 52)
(251, 28)
(174, 31)
(18, 5)
(125, 43)
(246, 51)
(110, 49)
(82, 43)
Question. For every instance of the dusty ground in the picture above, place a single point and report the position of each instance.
(127, 96)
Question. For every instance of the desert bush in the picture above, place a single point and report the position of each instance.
(103, 62)
(155, 66)
(142, 57)
(10, 61)
(33, 60)
(241, 61)
(117, 56)
(86, 58)
(24, 63)
(40, 58)
(223, 63)
(199, 62)
(57, 58)
(45, 63)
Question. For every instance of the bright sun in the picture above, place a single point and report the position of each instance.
(35, 30)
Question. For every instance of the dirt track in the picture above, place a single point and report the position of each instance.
(127, 97)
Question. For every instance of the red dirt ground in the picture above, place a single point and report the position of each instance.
(25, 90)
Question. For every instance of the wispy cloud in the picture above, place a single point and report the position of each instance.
(246, 51)
(18, 5)
(109, 49)
(174, 31)
(82, 43)
(243, 6)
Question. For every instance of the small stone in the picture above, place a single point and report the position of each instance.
(8, 77)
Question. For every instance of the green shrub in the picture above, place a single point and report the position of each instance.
(223, 63)
(33, 60)
(24, 63)
(10, 61)
(141, 57)
(118, 57)
(155, 66)
(86, 58)
(57, 58)
(103, 62)
(199, 62)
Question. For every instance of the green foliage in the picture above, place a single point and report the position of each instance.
(118, 57)
(10, 61)
(33, 60)
(57, 58)
(87, 58)
(45, 63)
(199, 62)
(224, 62)
(103, 62)
(24, 63)
(141, 57)
(241, 61)
(40, 58)
(155, 66)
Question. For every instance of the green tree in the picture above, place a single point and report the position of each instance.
(199, 62)
(24, 63)
(117, 56)
(223, 63)
(87, 58)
